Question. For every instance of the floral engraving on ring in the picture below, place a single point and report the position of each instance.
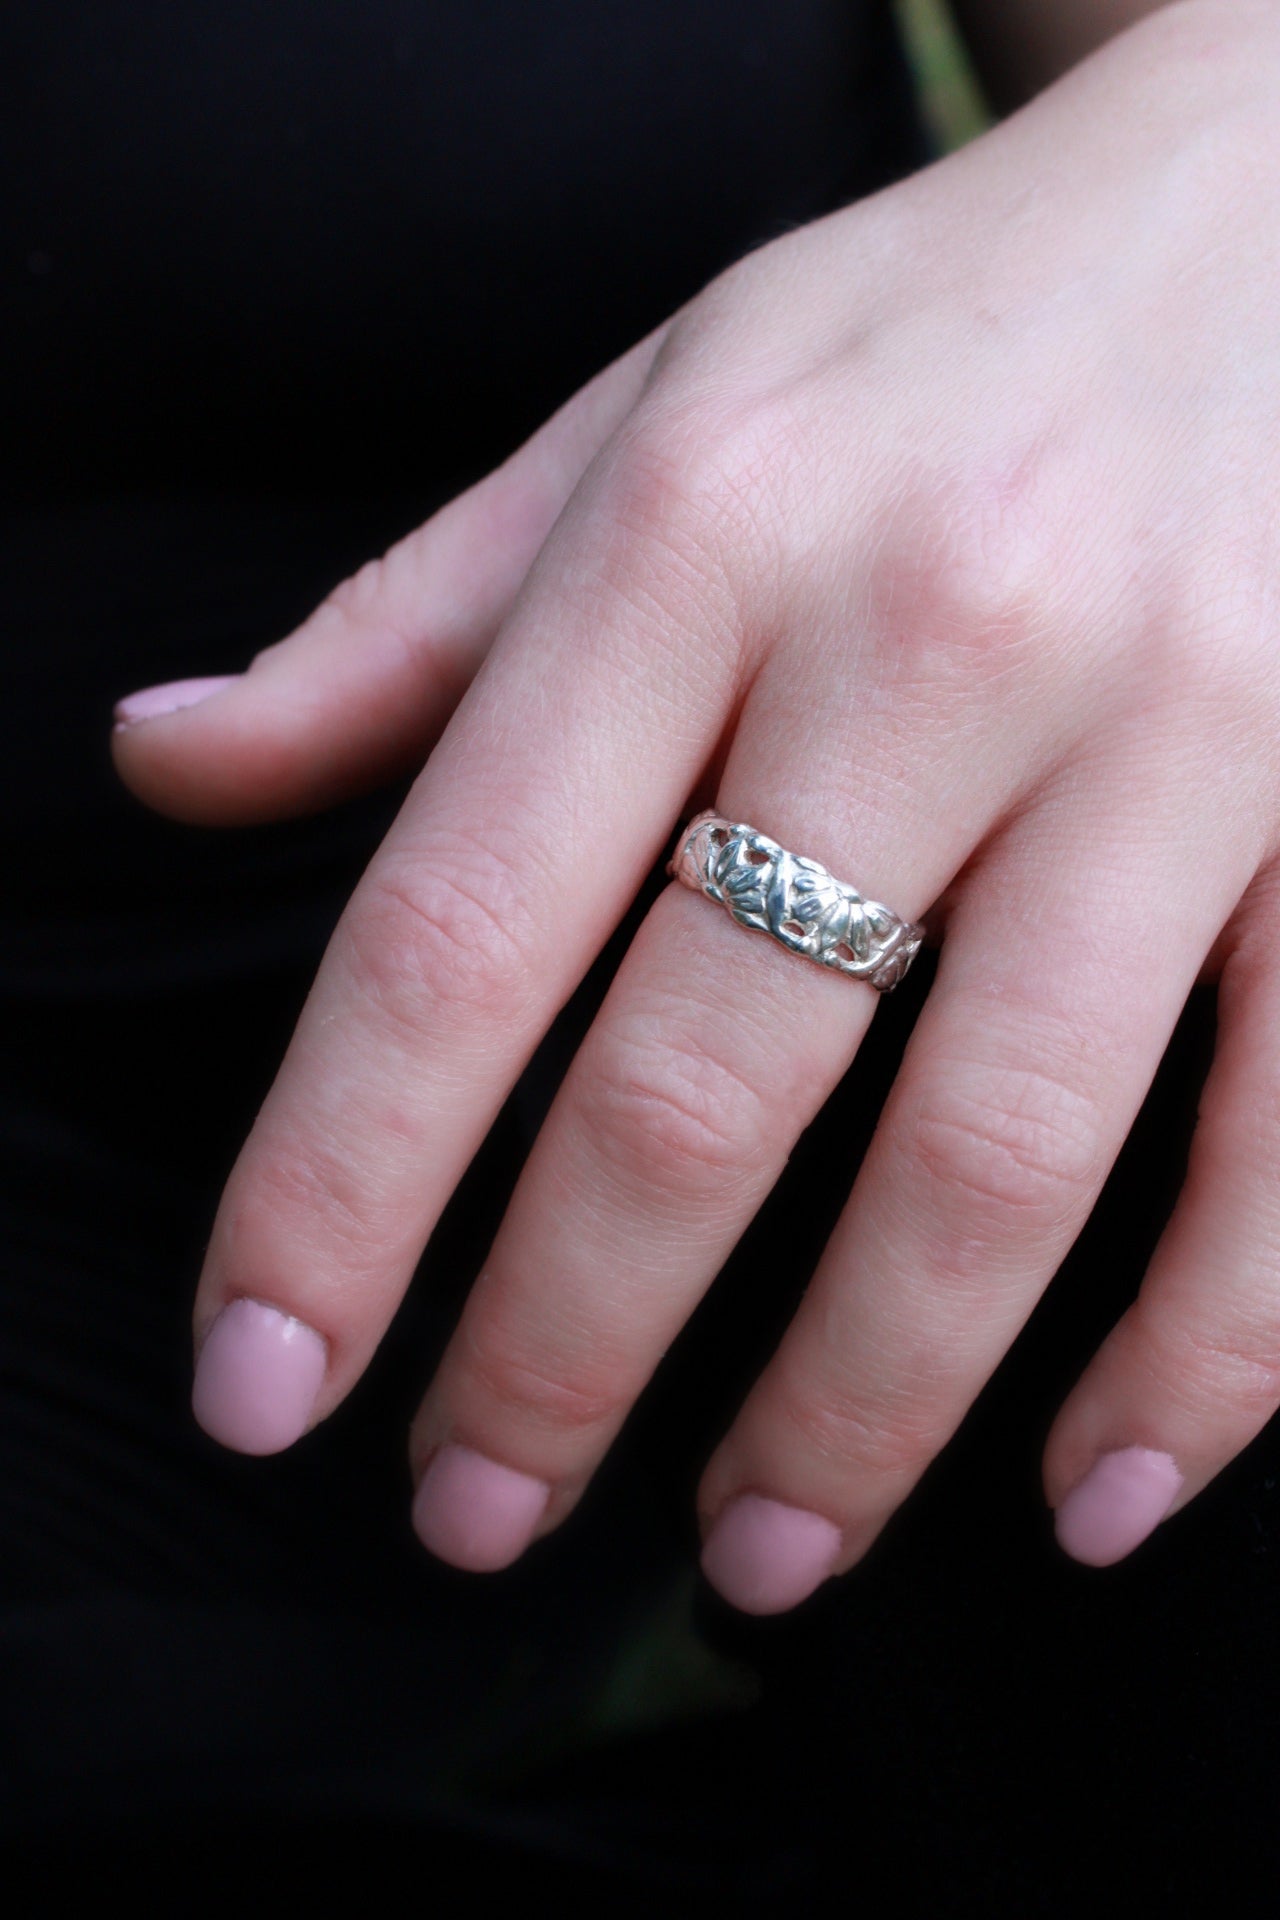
(795, 900)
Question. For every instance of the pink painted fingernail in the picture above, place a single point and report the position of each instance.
(257, 1378)
(149, 703)
(764, 1557)
(474, 1513)
(1123, 1497)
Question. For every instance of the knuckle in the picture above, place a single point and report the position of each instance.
(892, 1439)
(452, 928)
(1232, 1362)
(383, 597)
(690, 495)
(1204, 655)
(1205, 585)
(1238, 1129)
(673, 1119)
(963, 570)
(380, 604)
(687, 465)
(386, 597)
(305, 1193)
(585, 1397)
(1012, 1142)
(359, 597)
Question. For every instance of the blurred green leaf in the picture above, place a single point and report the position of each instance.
(950, 96)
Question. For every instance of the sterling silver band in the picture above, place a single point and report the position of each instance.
(805, 908)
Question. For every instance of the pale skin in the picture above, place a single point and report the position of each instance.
(938, 540)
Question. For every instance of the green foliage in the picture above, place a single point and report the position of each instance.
(950, 95)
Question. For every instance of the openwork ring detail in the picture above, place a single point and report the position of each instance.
(795, 900)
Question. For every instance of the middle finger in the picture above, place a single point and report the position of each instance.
(710, 1054)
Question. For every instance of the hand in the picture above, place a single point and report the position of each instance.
(938, 541)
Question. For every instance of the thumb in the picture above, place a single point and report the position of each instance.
(357, 694)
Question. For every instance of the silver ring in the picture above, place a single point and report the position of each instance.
(804, 908)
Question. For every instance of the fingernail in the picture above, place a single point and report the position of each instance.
(150, 702)
(764, 1557)
(1123, 1497)
(257, 1378)
(474, 1513)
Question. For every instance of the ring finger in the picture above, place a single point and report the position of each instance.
(711, 1053)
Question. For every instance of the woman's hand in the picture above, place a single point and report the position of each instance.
(938, 540)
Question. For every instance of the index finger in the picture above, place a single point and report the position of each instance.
(518, 849)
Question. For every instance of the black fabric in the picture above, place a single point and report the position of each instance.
(277, 280)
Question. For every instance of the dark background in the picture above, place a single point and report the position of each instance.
(277, 280)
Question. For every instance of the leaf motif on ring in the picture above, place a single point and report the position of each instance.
(796, 900)
(742, 870)
(746, 887)
(829, 914)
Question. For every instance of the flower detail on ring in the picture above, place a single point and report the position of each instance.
(796, 900)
